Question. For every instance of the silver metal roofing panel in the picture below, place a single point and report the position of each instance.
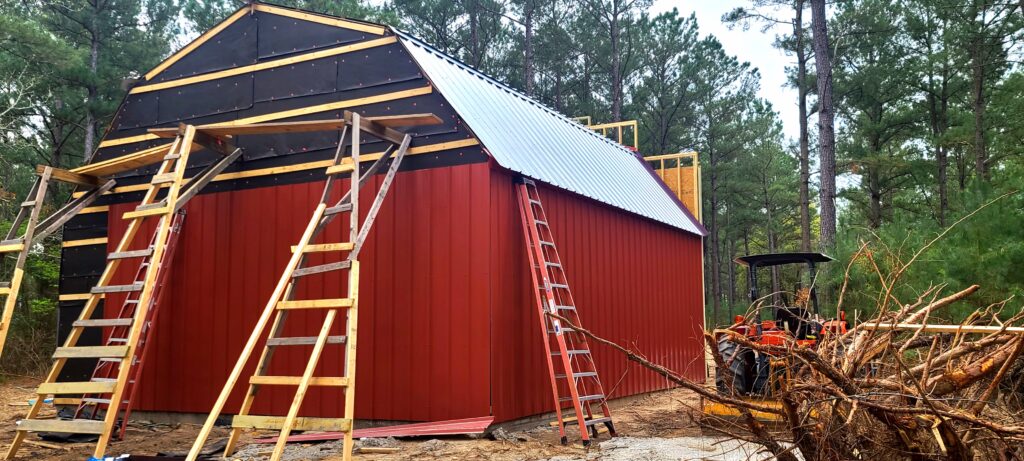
(527, 137)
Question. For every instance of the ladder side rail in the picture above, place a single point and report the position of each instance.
(372, 170)
(536, 264)
(87, 310)
(23, 212)
(353, 199)
(201, 180)
(378, 201)
(19, 266)
(280, 316)
(145, 297)
(300, 394)
(254, 338)
(351, 324)
(70, 210)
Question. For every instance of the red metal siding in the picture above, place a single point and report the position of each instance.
(636, 282)
(424, 326)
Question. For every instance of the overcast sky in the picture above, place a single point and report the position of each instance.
(751, 46)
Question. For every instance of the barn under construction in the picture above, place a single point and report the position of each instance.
(480, 207)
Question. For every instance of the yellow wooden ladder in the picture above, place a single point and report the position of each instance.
(19, 245)
(282, 300)
(169, 176)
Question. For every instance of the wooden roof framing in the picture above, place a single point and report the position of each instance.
(218, 137)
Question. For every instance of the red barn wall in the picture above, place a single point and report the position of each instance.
(424, 330)
(635, 281)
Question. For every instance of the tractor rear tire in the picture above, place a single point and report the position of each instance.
(740, 361)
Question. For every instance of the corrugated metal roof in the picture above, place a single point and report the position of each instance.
(529, 138)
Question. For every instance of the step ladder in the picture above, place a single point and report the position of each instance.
(282, 301)
(575, 383)
(19, 245)
(95, 406)
(168, 182)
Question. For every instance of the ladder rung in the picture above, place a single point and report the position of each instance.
(581, 374)
(545, 242)
(559, 285)
(321, 268)
(104, 380)
(76, 388)
(74, 426)
(564, 308)
(563, 330)
(301, 423)
(28, 203)
(322, 247)
(117, 288)
(551, 264)
(303, 341)
(316, 303)
(147, 212)
(571, 352)
(90, 352)
(111, 359)
(118, 340)
(338, 209)
(163, 178)
(5, 284)
(10, 246)
(535, 202)
(131, 254)
(591, 422)
(5, 291)
(102, 323)
(543, 223)
(294, 380)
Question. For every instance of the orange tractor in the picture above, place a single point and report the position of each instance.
(797, 319)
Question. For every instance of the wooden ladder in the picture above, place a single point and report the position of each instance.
(19, 245)
(169, 176)
(575, 383)
(282, 301)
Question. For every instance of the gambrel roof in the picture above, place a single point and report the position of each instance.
(316, 66)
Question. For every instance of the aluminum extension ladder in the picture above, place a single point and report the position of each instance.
(574, 379)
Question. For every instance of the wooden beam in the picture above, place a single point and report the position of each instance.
(933, 328)
(406, 120)
(300, 424)
(124, 163)
(294, 380)
(103, 387)
(316, 303)
(70, 177)
(297, 112)
(259, 128)
(388, 134)
(265, 65)
(196, 43)
(326, 20)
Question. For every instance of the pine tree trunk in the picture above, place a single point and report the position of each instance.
(616, 50)
(978, 107)
(826, 124)
(713, 241)
(805, 154)
(528, 47)
(90, 116)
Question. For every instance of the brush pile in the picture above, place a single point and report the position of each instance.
(894, 387)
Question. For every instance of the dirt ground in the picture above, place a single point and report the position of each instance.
(653, 427)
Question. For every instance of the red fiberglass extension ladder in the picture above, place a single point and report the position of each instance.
(574, 380)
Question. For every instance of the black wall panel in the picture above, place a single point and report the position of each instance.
(283, 35)
(219, 96)
(362, 69)
(302, 79)
(138, 110)
(233, 47)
